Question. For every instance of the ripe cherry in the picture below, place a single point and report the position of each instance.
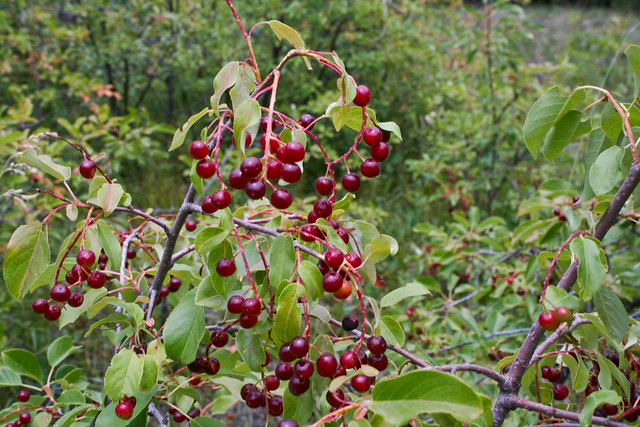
(324, 185)
(221, 199)
(323, 208)
(60, 292)
(285, 353)
(309, 233)
(198, 150)
(555, 375)
(225, 267)
(248, 321)
(548, 321)
(299, 347)
(336, 398)
(124, 410)
(351, 182)
(131, 253)
(284, 371)
(545, 371)
(25, 418)
(361, 383)
(237, 180)
(344, 292)
(179, 417)
(251, 167)
(610, 409)
(353, 259)
(294, 151)
(275, 405)
(327, 365)
(53, 312)
(271, 382)
(85, 258)
(334, 258)
(76, 299)
(190, 224)
(350, 322)
(348, 360)
(331, 282)
(40, 306)
(306, 121)
(212, 366)
(281, 199)
(251, 306)
(363, 96)
(220, 339)
(247, 389)
(560, 392)
(377, 344)
(97, 280)
(563, 314)
(247, 140)
(274, 169)
(164, 291)
(174, 284)
(380, 152)
(274, 143)
(372, 136)
(234, 305)
(342, 233)
(195, 381)
(255, 189)
(205, 168)
(298, 386)
(23, 396)
(303, 368)
(370, 168)
(194, 412)
(378, 361)
(88, 169)
(290, 173)
(207, 205)
(264, 121)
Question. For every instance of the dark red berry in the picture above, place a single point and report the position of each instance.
(53, 312)
(124, 410)
(342, 233)
(179, 417)
(221, 199)
(378, 361)
(324, 185)
(247, 140)
(380, 152)
(247, 389)
(97, 280)
(350, 322)
(290, 173)
(264, 121)
(237, 180)
(323, 267)
(563, 314)
(190, 225)
(281, 199)
(348, 360)
(363, 96)
(294, 151)
(303, 368)
(284, 371)
(40, 306)
(285, 353)
(334, 258)
(555, 375)
(308, 233)
(60, 292)
(288, 422)
(377, 344)
(299, 347)
(23, 396)
(220, 339)
(545, 372)
(234, 305)
(298, 386)
(331, 282)
(386, 135)
(251, 306)
(212, 366)
(323, 208)
(274, 169)
(275, 406)
(207, 205)
(610, 409)
(174, 284)
(336, 398)
(353, 259)
(372, 136)
(361, 383)
(85, 258)
(327, 365)
(560, 392)
(131, 253)
(351, 182)
(248, 321)
(88, 169)
(271, 382)
(370, 168)
(548, 321)
(164, 291)
(198, 150)
(76, 299)
(255, 189)
(225, 267)
(251, 167)
(306, 121)
(194, 412)
(25, 418)
(205, 168)
(274, 143)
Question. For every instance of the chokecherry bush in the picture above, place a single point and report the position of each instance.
(227, 300)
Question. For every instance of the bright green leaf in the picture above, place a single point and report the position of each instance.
(23, 362)
(409, 290)
(592, 267)
(181, 133)
(184, 329)
(123, 375)
(60, 349)
(27, 256)
(250, 348)
(612, 312)
(46, 164)
(108, 197)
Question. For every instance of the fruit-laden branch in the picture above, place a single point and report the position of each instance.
(518, 402)
(513, 378)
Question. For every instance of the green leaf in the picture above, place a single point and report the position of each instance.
(391, 330)
(71, 314)
(401, 398)
(245, 116)
(206, 422)
(380, 248)
(60, 349)
(561, 134)
(283, 31)
(545, 113)
(633, 55)
(184, 329)
(245, 84)
(27, 256)
(69, 418)
(123, 375)
(225, 78)
(594, 400)
(612, 123)
(612, 312)
(341, 116)
(391, 127)
(288, 316)
(606, 170)
(23, 362)
(181, 133)
(528, 229)
(282, 260)
(109, 243)
(108, 197)
(46, 164)
(250, 348)
(312, 280)
(210, 238)
(149, 373)
(559, 297)
(409, 290)
(298, 408)
(592, 267)
(8, 377)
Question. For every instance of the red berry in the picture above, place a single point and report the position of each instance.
(560, 392)
(281, 199)
(40, 306)
(255, 399)
(380, 152)
(557, 211)
(247, 140)
(363, 96)
(284, 371)
(88, 169)
(350, 322)
(271, 382)
(124, 410)
(255, 189)
(274, 143)
(306, 121)
(198, 150)
(323, 208)
(274, 169)
(251, 167)
(23, 396)
(248, 321)
(563, 314)
(324, 185)
(251, 306)
(343, 235)
(205, 168)
(555, 375)
(85, 258)
(378, 361)
(24, 419)
(190, 224)
(234, 305)
(377, 344)
(334, 258)
(179, 417)
(303, 368)
(294, 151)
(348, 360)
(285, 353)
(290, 173)
(195, 381)
(131, 253)
(308, 233)
(370, 168)
(221, 199)
(212, 366)
(353, 259)
(299, 347)
(220, 339)
(174, 284)
(194, 412)
(60, 293)
(332, 282)
(361, 383)
(545, 371)
(164, 291)
(53, 312)
(264, 121)
(225, 267)
(548, 321)
(351, 182)
(610, 409)
(237, 180)
(275, 405)
(207, 205)
(372, 136)
(298, 386)
(336, 398)
(327, 365)
(97, 280)
(247, 389)
(76, 299)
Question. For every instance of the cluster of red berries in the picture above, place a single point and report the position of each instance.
(180, 417)
(25, 417)
(124, 409)
(551, 319)
(333, 275)
(249, 310)
(207, 365)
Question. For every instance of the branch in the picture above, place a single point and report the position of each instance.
(537, 355)
(182, 253)
(155, 413)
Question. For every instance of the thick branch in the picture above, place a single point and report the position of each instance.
(519, 402)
